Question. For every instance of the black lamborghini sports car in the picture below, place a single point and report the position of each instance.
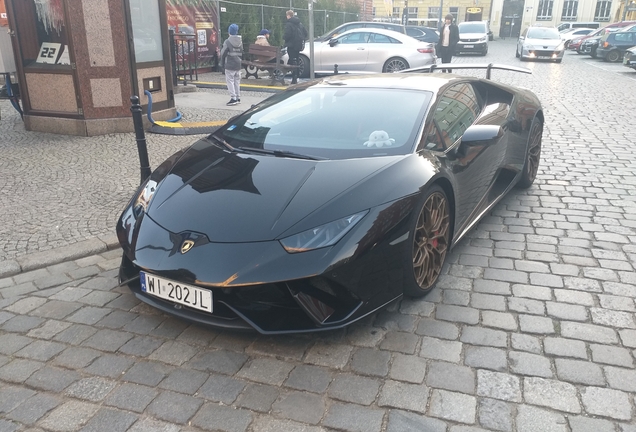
(327, 201)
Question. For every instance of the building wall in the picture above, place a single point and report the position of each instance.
(384, 9)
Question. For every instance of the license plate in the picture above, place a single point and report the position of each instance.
(469, 46)
(544, 57)
(176, 292)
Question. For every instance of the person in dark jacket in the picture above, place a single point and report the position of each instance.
(294, 38)
(448, 38)
(231, 56)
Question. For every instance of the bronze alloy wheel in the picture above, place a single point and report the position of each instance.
(430, 239)
(534, 155)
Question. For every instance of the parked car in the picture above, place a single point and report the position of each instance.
(424, 34)
(617, 26)
(367, 50)
(568, 35)
(327, 201)
(629, 59)
(360, 24)
(473, 37)
(540, 43)
(612, 46)
(575, 44)
(565, 26)
(589, 46)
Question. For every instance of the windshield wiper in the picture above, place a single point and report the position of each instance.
(279, 153)
(223, 144)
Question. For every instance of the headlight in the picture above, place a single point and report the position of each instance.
(322, 236)
(561, 46)
(484, 39)
(145, 196)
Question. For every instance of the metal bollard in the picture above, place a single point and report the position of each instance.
(140, 135)
(335, 69)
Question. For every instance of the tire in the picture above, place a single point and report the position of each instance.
(517, 52)
(485, 52)
(303, 67)
(593, 52)
(613, 56)
(533, 155)
(395, 64)
(578, 51)
(430, 241)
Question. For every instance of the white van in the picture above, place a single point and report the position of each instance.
(570, 25)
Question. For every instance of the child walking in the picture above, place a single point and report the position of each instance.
(231, 56)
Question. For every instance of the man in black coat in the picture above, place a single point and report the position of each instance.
(294, 37)
(448, 38)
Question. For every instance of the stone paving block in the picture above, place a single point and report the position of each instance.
(367, 361)
(492, 287)
(12, 396)
(454, 282)
(25, 305)
(533, 419)
(501, 263)
(292, 348)
(174, 407)
(69, 417)
(5, 316)
(266, 371)
(302, 407)
(55, 309)
(21, 324)
(457, 314)
(621, 379)
(18, 370)
(353, 388)
(404, 421)
(220, 361)
(394, 321)
(611, 355)
(417, 307)
(270, 424)
(437, 329)
(526, 306)
(131, 397)
(452, 377)
(184, 381)
(575, 297)
(107, 340)
(109, 365)
(400, 342)
(589, 424)
(582, 284)
(114, 420)
(408, 368)
(353, 418)
(88, 315)
(536, 324)
(455, 297)
(567, 311)
(412, 397)
(497, 385)
(488, 301)
(564, 269)
(329, 355)
(258, 397)
(174, 353)
(311, 378)
(606, 403)
(70, 294)
(144, 324)
(40, 350)
(453, 406)
(116, 319)
(484, 336)
(10, 343)
(486, 358)
(141, 346)
(628, 338)
(612, 318)
(618, 303)
(495, 414)
(18, 290)
(441, 350)
(34, 408)
(220, 388)
(588, 332)
(512, 276)
(52, 378)
(552, 394)
(532, 292)
(619, 289)
(579, 372)
(530, 364)
(93, 389)
(501, 320)
(147, 373)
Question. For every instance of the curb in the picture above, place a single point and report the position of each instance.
(38, 260)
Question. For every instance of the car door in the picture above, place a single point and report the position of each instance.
(474, 167)
(380, 49)
(520, 41)
(348, 51)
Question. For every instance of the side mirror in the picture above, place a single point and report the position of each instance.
(333, 42)
(481, 135)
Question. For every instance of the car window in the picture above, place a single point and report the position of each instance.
(456, 109)
(414, 32)
(354, 38)
(335, 122)
(623, 37)
(380, 38)
(543, 33)
(472, 28)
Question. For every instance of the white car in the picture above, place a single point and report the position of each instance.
(569, 35)
(540, 43)
(473, 37)
(367, 50)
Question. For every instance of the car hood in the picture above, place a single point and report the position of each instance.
(472, 35)
(550, 43)
(240, 197)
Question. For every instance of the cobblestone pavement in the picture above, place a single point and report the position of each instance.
(531, 328)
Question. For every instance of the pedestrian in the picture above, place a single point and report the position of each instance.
(263, 38)
(231, 56)
(294, 37)
(448, 38)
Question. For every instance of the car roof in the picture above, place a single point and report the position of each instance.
(409, 81)
(394, 34)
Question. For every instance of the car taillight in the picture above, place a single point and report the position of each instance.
(605, 44)
(426, 50)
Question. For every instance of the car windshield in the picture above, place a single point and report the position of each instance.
(543, 33)
(333, 122)
(472, 28)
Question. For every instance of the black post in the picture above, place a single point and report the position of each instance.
(138, 122)
(335, 69)
(173, 57)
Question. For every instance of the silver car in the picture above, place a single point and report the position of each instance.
(367, 50)
(540, 43)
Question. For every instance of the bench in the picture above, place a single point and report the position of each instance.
(268, 58)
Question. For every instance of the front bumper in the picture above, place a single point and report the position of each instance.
(541, 54)
(629, 60)
(471, 47)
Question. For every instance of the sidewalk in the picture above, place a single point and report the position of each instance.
(60, 196)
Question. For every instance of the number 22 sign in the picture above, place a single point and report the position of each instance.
(49, 52)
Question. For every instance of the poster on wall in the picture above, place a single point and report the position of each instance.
(4, 21)
(197, 18)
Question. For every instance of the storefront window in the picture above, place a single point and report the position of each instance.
(146, 30)
(42, 28)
